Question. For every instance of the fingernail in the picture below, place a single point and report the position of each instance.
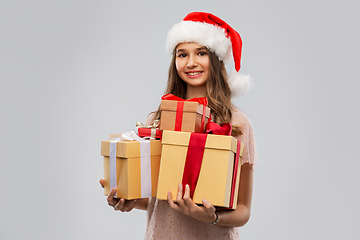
(204, 201)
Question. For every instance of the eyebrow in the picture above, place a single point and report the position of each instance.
(198, 49)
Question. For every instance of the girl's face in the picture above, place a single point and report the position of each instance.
(192, 64)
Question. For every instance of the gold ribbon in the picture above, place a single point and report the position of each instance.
(154, 125)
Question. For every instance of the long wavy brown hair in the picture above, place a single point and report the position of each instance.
(218, 91)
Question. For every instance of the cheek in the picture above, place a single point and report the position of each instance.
(207, 67)
(179, 66)
(207, 64)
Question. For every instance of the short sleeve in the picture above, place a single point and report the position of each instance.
(247, 136)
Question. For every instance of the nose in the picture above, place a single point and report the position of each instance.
(191, 62)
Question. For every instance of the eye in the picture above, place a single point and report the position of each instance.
(182, 55)
(202, 53)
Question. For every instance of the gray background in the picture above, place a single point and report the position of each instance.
(74, 71)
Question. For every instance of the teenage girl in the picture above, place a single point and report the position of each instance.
(199, 45)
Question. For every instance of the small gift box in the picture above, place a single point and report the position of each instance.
(149, 130)
(178, 114)
(131, 164)
(209, 163)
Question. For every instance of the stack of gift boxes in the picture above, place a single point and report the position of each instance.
(185, 147)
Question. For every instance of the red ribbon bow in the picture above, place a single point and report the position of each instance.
(201, 100)
(214, 128)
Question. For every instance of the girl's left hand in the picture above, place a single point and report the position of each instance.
(185, 205)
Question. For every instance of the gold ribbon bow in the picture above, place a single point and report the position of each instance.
(154, 125)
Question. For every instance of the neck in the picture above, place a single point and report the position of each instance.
(194, 92)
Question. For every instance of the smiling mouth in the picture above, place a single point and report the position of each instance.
(193, 73)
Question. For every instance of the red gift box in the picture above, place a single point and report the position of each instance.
(150, 132)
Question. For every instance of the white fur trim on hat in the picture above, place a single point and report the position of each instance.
(205, 34)
(239, 84)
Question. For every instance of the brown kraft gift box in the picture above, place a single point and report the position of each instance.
(191, 118)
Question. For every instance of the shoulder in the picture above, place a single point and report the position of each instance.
(239, 117)
(247, 137)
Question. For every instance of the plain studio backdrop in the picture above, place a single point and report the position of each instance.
(74, 71)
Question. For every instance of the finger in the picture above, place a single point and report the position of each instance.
(209, 208)
(171, 202)
(129, 205)
(187, 198)
(102, 182)
(112, 193)
(120, 204)
(111, 200)
(179, 198)
(190, 204)
(179, 193)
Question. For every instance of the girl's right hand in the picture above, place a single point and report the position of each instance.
(119, 204)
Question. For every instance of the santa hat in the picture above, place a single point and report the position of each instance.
(212, 32)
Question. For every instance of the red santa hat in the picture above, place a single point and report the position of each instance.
(212, 32)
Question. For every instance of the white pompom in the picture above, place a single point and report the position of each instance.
(240, 84)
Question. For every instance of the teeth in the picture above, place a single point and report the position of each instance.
(193, 73)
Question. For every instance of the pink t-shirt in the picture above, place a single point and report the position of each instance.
(165, 223)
